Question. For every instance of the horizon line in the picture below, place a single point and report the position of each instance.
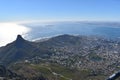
(56, 20)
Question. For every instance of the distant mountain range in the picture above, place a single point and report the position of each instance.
(99, 55)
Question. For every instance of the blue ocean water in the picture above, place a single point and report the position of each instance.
(38, 30)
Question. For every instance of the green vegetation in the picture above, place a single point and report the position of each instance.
(53, 71)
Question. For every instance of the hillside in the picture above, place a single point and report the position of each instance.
(68, 56)
(21, 49)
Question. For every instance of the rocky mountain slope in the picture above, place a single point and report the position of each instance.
(21, 49)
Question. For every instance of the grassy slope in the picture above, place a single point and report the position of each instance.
(54, 71)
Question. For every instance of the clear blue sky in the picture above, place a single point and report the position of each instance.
(18, 10)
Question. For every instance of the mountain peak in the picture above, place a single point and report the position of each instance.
(19, 37)
(19, 40)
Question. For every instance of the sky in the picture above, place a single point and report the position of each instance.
(29, 10)
(15, 12)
